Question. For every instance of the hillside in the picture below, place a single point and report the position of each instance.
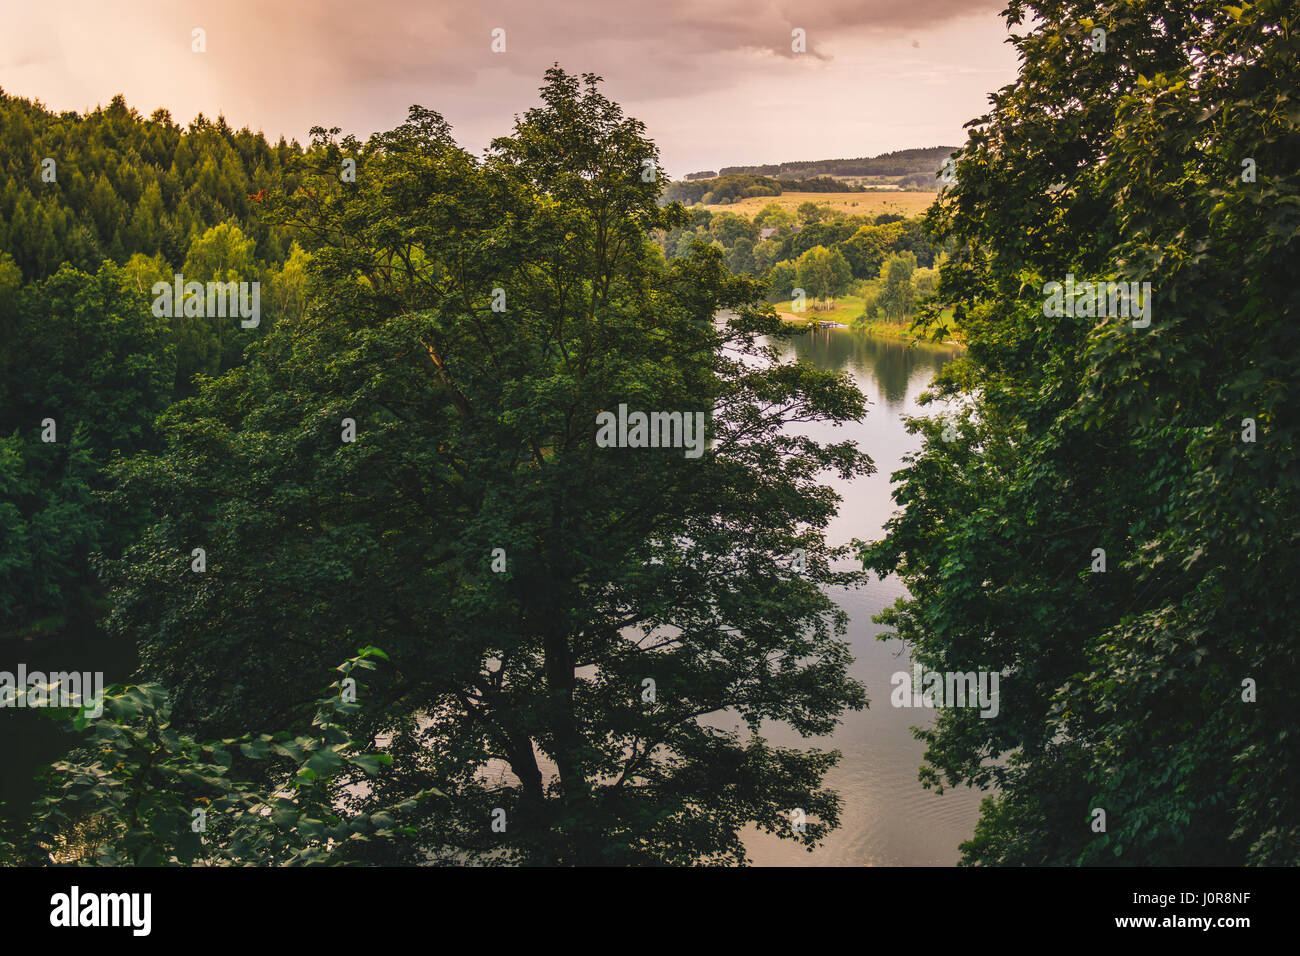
(887, 167)
(906, 170)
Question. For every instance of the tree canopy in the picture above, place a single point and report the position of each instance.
(79, 189)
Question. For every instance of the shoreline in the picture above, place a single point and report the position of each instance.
(892, 330)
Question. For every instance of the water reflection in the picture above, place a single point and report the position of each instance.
(892, 366)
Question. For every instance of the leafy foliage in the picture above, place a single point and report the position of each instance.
(1124, 689)
(128, 202)
(139, 792)
(99, 366)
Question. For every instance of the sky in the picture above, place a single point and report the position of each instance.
(717, 82)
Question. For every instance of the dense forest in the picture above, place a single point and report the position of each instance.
(110, 184)
(94, 211)
(394, 602)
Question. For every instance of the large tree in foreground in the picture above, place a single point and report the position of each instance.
(1155, 682)
(574, 629)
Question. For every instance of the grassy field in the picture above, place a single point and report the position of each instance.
(853, 204)
(847, 308)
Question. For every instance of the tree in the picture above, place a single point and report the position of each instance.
(580, 614)
(142, 273)
(868, 247)
(212, 343)
(11, 282)
(926, 283)
(1107, 518)
(809, 212)
(826, 234)
(288, 288)
(147, 220)
(685, 242)
(50, 525)
(896, 294)
(823, 273)
(764, 255)
(772, 216)
(741, 256)
(782, 280)
(728, 228)
(94, 357)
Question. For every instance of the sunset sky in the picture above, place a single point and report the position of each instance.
(715, 81)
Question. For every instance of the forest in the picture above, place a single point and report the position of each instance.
(900, 162)
(732, 186)
(393, 603)
(94, 211)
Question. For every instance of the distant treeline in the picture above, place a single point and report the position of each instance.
(733, 188)
(901, 162)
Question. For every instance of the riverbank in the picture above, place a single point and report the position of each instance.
(83, 611)
(882, 327)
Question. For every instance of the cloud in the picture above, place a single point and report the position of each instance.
(286, 67)
(672, 43)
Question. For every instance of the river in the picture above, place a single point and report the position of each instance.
(887, 819)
